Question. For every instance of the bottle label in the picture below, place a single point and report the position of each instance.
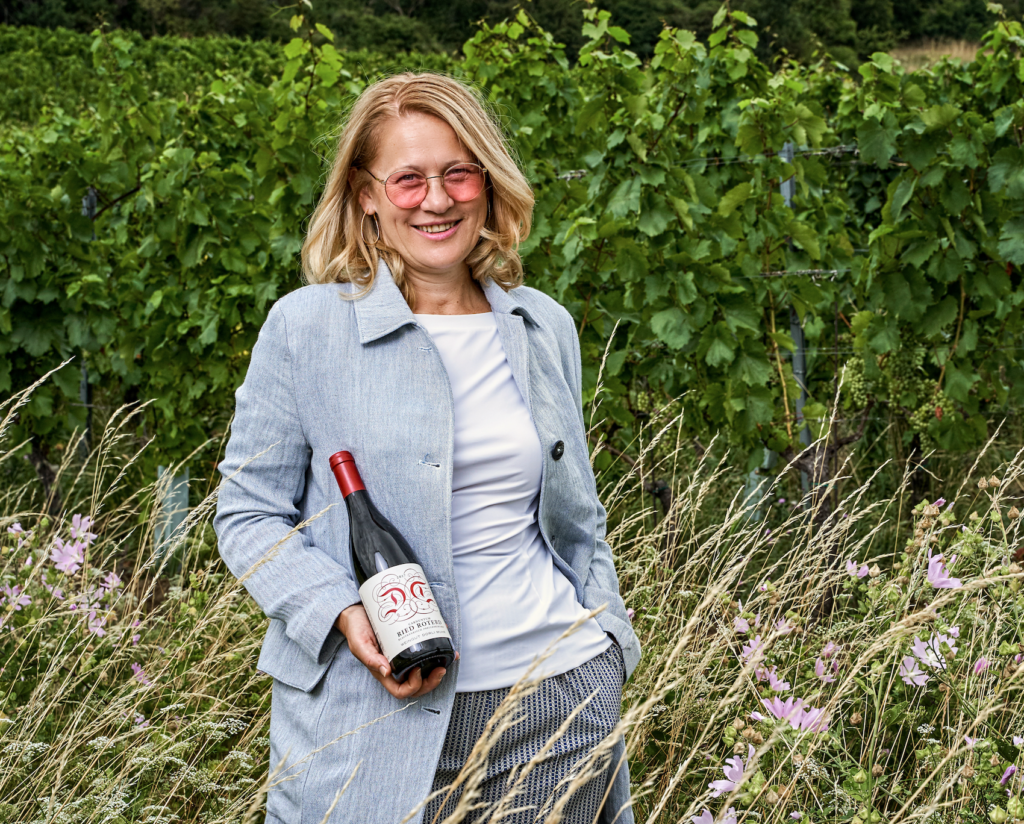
(402, 609)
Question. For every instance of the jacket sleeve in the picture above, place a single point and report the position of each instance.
(264, 469)
(602, 583)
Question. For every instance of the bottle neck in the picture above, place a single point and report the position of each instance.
(347, 475)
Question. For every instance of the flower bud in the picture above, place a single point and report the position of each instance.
(968, 771)
(856, 718)
(739, 724)
(994, 760)
(1013, 513)
(998, 816)
(739, 748)
(771, 797)
(1015, 807)
(994, 481)
(877, 770)
(860, 777)
(982, 484)
(875, 571)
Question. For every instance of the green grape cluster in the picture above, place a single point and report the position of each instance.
(856, 387)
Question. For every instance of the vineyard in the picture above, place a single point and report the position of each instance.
(768, 265)
(660, 217)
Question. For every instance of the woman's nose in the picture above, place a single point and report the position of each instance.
(437, 199)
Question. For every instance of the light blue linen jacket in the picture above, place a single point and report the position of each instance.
(328, 374)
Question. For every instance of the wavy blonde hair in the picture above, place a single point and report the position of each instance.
(334, 250)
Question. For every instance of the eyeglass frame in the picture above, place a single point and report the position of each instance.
(384, 182)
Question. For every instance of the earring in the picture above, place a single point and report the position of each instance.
(376, 225)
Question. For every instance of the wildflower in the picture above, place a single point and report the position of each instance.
(930, 653)
(970, 742)
(981, 665)
(629, 610)
(729, 816)
(16, 596)
(941, 502)
(783, 710)
(80, 529)
(740, 624)
(1018, 740)
(15, 530)
(830, 650)
(824, 674)
(911, 674)
(796, 815)
(784, 627)
(776, 683)
(140, 721)
(756, 716)
(704, 818)
(733, 774)
(782, 500)
(96, 624)
(855, 571)
(112, 581)
(938, 574)
(810, 720)
(753, 650)
(140, 674)
(67, 558)
(1008, 774)
(135, 640)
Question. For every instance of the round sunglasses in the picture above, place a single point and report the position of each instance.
(407, 189)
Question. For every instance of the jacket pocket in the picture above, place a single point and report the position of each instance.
(283, 659)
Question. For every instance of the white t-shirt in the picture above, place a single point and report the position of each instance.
(514, 600)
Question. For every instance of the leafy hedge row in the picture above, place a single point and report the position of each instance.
(658, 206)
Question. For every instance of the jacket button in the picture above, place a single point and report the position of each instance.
(557, 450)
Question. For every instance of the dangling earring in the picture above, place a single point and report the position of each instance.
(362, 235)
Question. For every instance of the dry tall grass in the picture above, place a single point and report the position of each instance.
(163, 718)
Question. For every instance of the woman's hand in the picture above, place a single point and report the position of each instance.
(355, 626)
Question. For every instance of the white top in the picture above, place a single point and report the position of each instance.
(514, 600)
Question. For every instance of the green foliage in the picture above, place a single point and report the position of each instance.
(658, 209)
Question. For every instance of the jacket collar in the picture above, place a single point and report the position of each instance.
(383, 309)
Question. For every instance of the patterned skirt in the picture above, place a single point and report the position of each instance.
(511, 790)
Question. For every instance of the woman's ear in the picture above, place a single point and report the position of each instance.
(365, 195)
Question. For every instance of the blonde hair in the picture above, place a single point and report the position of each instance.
(334, 250)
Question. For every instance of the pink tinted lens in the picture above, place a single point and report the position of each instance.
(406, 189)
(464, 182)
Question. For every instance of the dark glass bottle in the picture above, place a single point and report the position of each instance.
(395, 594)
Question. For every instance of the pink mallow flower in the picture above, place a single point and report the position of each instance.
(855, 571)
(930, 652)
(783, 710)
(111, 582)
(740, 624)
(811, 720)
(14, 595)
(970, 742)
(67, 558)
(140, 721)
(140, 674)
(981, 665)
(733, 774)
(823, 672)
(80, 528)
(775, 683)
(938, 574)
(911, 673)
(96, 624)
(830, 649)
(1008, 774)
(784, 627)
(753, 650)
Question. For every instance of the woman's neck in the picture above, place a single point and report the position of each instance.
(456, 294)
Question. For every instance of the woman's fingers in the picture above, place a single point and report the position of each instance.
(363, 645)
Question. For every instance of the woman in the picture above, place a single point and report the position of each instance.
(458, 393)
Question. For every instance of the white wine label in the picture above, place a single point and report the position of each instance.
(402, 609)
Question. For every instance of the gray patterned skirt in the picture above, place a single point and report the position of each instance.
(540, 714)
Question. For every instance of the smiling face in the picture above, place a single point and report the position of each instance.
(435, 237)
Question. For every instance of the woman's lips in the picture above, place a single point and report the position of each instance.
(443, 235)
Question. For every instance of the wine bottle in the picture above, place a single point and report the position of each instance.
(395, 594)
